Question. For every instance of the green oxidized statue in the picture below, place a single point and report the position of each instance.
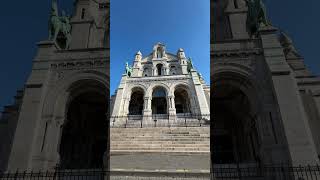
(257, 16)
(190, 64)
(59, 25)
(128, 69)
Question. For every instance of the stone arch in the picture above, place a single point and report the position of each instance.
(182, 99)
(57, 96)
(240, 76)
(54, 110)
(160, 69)
(152, 86)
(173, 70)
(83, 140)
(141, 86)
(159, 101)
(236, 131)
(146, 71)
(136, 103)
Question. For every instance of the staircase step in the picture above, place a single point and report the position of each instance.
(157, 151)
(164, 139)
(161, 142)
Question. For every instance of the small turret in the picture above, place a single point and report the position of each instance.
(137, 65)
(181, 54)
(138, 56)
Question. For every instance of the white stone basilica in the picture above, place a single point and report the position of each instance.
(162, 86)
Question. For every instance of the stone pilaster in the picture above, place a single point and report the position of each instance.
(199, 93)
(172, 109)
(147, 112)
(297, 130)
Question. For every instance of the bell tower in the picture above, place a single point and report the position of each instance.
(89, 24)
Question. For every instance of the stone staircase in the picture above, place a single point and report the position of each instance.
(160, 140)
(160, 149)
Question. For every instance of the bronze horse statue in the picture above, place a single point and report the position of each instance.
(257, 16)
(59, 25)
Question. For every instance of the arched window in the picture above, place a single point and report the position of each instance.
(159, 101)
(146, 72)
(159, 52)
(159, 69)
(173, 70)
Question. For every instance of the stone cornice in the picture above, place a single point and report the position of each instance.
(155, 79)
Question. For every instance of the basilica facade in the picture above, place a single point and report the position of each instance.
(265, 103)
(161, 85)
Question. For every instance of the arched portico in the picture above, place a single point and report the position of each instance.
(60, 100)
(159, 104)
(83, 139)
(182, 99)
(160, 69)
(136, 104)
(235, 133)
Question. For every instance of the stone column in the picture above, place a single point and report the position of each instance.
(121, 93)
(172, 109)
(125, 110)
(120, 118)
(153, 71)
(167, 71)
(147, 112)
(173, 103)
(204, 110)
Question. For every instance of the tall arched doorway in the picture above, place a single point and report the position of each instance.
(182, 100)
(84, 138)
(159, 101)
(234, 133)
(136, 101)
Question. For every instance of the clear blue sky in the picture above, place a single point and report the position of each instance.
(24, 23)
(138, 25)
(300, 19)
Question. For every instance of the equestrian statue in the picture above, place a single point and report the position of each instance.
(128, 69)
(59, 25)
(257, 16)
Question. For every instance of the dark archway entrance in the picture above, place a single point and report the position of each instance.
(159, 69)
(182, 100)
(234, 134)
(136, 102)
(84, 137)
(159, 101)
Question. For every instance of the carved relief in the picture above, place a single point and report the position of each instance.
(79, 64)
